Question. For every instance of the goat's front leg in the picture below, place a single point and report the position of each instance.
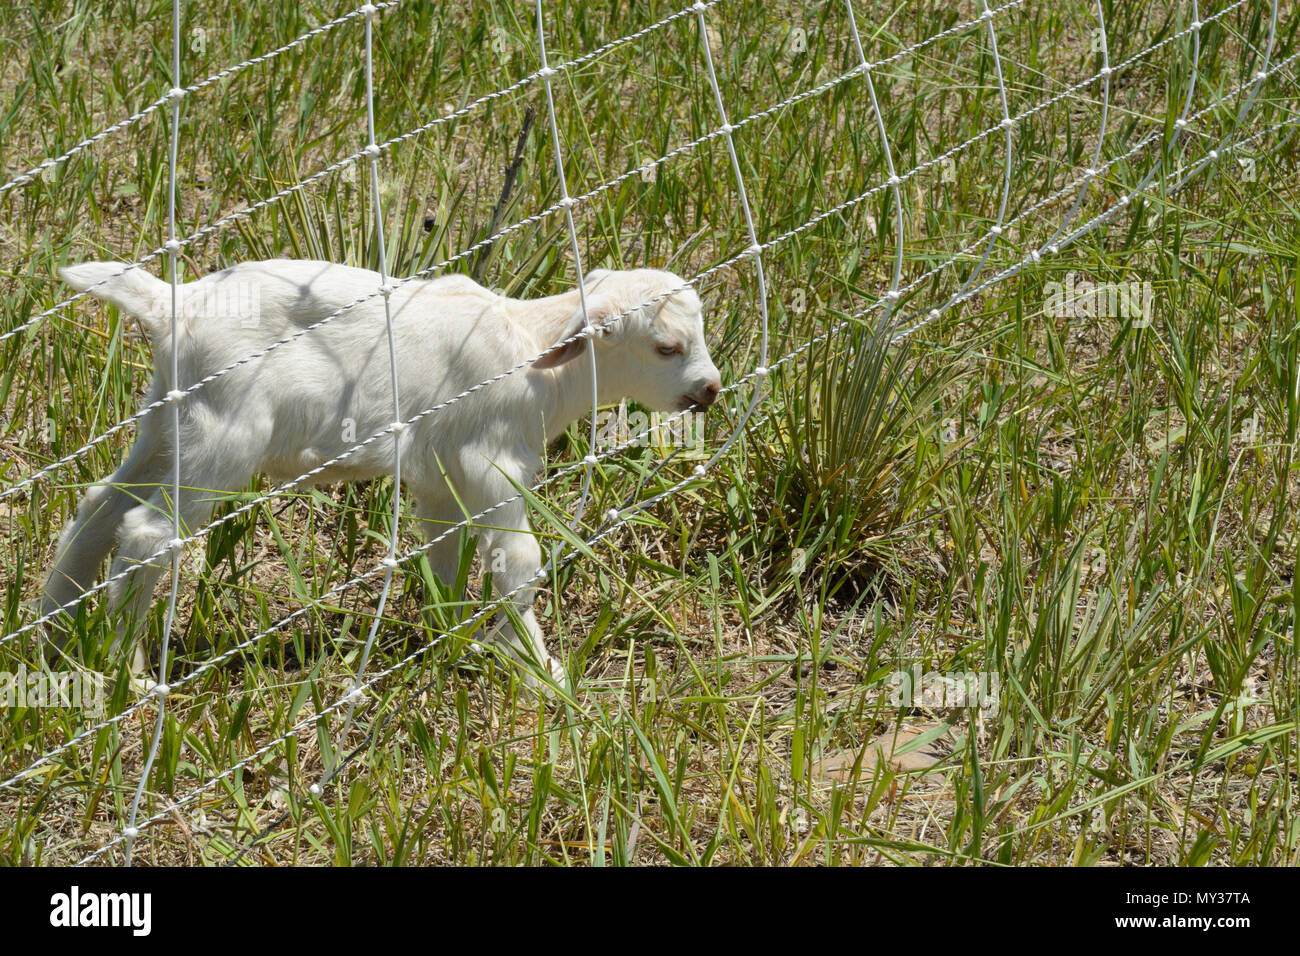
(510, 552)
(439, 520)
(90, 536)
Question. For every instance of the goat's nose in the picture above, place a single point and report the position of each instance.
(709, 394)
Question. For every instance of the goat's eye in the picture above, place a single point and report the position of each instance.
(667, 350)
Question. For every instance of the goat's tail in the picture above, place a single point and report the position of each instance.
(134, 291)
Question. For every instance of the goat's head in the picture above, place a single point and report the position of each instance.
(650, 345)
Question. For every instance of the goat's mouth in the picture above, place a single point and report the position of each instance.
(686, 402)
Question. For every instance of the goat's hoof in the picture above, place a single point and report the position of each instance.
(142, 685)
(535, 683)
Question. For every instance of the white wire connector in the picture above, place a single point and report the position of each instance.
(933, 315)
(995, 231)
(176, 544)
(369, 10)
(172, 246)
(1180, 123)
(1007, 122)
(893, 295)
(371, 150)
(1195, 26)
(700, 471)
(546, 73)
(755, 250)
(761, 372)
(398, 427)
(894, 180)
(386, 290)
(1053, 249)
(160, 690)
(568, 202)
(354, 694)
(727, 128)
(176, 93)
(699, 6)
(590, 461)
(175, 395)
(131, 832)
(1214, 154)
(613, 514)
(315, 790)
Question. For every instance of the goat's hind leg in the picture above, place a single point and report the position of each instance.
(89, 537)
(144, 553)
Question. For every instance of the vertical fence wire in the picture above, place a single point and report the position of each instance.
(159, 690)
(589, 461)
(895, 183)
(568, 202)
(1263, 72)
(755, 249)
(1008, 128)
(397, 429)
(1103, 44)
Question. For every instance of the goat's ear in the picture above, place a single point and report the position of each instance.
(601, 310)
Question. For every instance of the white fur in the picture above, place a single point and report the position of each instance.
(289, 411)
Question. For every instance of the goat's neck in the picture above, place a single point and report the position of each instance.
(569, 396)
(548, 317)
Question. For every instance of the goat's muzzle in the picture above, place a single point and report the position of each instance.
(705, 397)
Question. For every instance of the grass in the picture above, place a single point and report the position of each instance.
(1095, 513)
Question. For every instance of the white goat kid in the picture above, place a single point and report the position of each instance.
(310, 400)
